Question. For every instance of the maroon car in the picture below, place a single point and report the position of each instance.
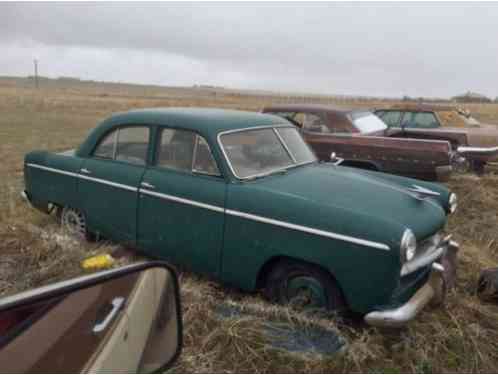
(363, 140)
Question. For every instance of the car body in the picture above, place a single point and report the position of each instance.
(477, 142)
(125, 320)
(239, 196)
(429, 154)
(329, 129)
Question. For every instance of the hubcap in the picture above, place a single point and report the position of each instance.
(306, 292)
(74, 222)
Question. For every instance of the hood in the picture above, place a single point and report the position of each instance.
(364, 203)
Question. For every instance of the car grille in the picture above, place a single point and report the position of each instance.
(428, 251)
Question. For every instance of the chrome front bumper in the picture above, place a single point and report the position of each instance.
(441, 278)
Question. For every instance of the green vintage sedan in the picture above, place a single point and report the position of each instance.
(240, 196)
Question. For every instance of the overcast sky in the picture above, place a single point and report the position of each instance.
(357, 49)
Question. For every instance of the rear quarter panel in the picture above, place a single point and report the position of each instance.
(51, 177)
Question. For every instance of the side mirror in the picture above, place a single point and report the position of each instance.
(123, 320)
(334, 159)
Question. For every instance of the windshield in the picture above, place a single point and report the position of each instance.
(367, 122)
(258, 152)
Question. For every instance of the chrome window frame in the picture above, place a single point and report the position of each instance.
(274, 128)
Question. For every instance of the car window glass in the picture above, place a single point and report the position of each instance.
(132, 145)
(255, 152)
(315, 123)
(105, 149)
(420, 120)
(299, 149)
(391, 118)
(203, 159)
(176, 149)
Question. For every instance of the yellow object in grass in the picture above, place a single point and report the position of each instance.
(97, 262)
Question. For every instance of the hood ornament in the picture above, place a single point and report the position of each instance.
(422, 193)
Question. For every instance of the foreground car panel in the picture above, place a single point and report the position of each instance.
(107, 322)
(240, 197)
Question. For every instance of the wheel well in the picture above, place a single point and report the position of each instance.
(268, 266)
(360, 164)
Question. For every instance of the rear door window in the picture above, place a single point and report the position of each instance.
(128, 144)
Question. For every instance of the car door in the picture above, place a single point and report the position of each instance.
(109, 180)
(182, 199)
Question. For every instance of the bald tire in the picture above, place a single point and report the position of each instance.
(285, 270)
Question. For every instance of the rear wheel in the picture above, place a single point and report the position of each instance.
(74, 222)
(303, 286)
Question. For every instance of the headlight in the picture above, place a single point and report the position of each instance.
(408, 246)
(452, 203)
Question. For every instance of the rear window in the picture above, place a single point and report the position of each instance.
(367, 122)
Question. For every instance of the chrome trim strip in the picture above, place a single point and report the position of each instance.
(105, 182)
(110, 183)
(227, 160)
(302, 228)
(60, 171)
(182, 200)
(261, 219)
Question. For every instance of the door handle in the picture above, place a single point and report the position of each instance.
(147, 185)
(116, 305)
(85, 171)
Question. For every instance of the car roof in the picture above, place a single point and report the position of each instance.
(310, 108)
(202, 120)
(418, 107)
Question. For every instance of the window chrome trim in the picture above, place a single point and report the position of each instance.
(227, 159)
(285, 145)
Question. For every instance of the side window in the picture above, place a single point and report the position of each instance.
(203, 159)
(425, 120)
(390, 118)
(176, 149)
(106, 147)
(132, 145)
(420, 120)
(314, 123)
(127, 144)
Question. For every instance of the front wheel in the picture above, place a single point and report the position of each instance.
(303, 286)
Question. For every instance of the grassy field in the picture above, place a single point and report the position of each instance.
(461, 337)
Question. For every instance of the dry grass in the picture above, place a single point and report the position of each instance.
(462, 337)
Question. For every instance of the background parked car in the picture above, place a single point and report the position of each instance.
(476, 142)
(428, 154)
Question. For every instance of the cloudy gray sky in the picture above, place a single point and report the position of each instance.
(358, 49)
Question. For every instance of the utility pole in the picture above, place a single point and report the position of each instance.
(36, 72)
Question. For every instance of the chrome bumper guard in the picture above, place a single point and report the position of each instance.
(442, 277)
(478, 150)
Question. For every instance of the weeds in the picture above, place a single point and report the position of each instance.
(461, 337)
